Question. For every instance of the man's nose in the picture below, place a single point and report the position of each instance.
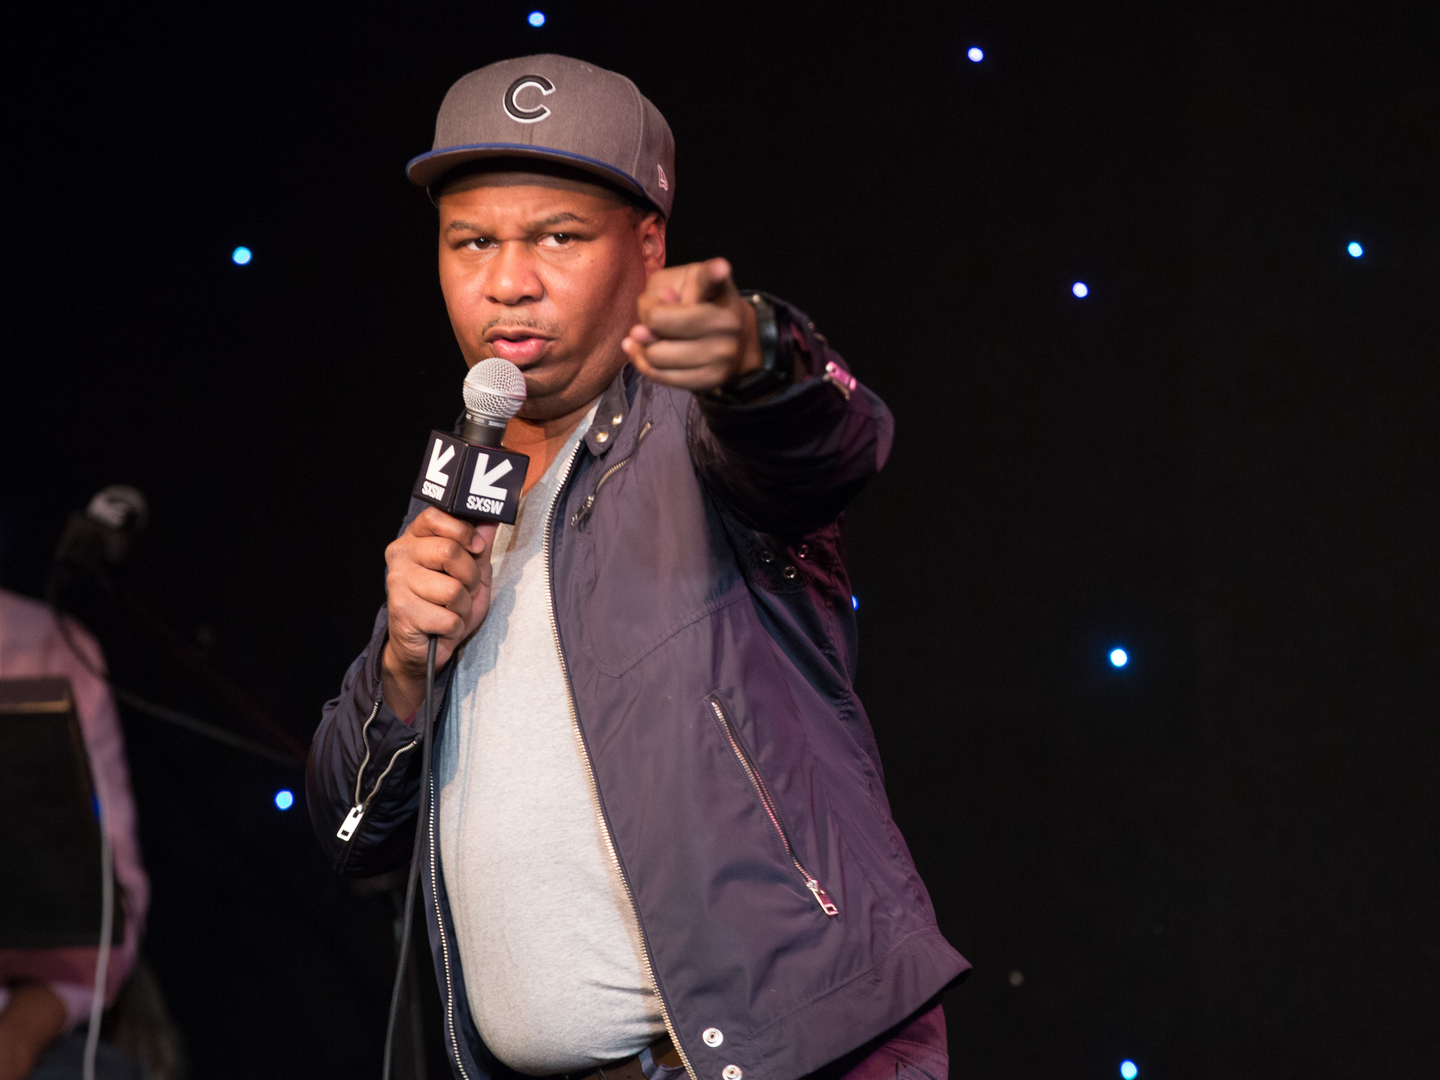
(511, 277)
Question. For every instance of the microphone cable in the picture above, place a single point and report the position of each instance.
(413, 879)
(494, 391)
(102, 954)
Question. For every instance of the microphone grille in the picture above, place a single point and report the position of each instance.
(494, 390)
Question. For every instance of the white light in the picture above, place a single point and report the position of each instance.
(284, 799)
(1354, 249)
(854, 603)
(1080, 289)
(536, 18)
(1119, 657)
(975, 53)
(1128, 1070)
(241, 255)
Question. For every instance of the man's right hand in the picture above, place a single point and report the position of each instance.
(438, 583)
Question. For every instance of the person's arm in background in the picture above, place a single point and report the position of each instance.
(32, 1016)
(32, 646)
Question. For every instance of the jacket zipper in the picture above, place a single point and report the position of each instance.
(585, 753)
(581, 516)
(757, 782)
(362, 807)
(444, 941)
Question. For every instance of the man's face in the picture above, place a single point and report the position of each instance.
(545, 272)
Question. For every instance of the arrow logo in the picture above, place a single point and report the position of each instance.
(436, 472)
(482, 483)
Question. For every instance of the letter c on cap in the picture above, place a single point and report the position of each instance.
(517, 111)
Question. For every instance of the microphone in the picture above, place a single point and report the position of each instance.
(470, 476)
(107, 530)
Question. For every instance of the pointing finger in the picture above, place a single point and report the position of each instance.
(713, 281)
(687, 321)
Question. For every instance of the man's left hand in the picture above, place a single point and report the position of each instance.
(695, 331)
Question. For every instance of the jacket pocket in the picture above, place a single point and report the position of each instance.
(747, 766)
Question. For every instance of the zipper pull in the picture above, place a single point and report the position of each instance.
(839, 378)
(582, 515)
(351, 822)
(822, 898)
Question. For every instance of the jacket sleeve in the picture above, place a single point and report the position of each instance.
(364, 756)
(790, 464)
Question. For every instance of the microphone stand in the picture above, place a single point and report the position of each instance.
(195, 660)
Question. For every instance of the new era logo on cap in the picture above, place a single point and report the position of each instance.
(594, 120)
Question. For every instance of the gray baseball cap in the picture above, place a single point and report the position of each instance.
(556, 109)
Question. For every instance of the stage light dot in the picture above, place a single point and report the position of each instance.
(1080, 289)
(1354, 249)
(240, 256)
(1128, 1070)
(1119, 657)
(976, 54)
(855, 603)
(536, 18)
(284, 799)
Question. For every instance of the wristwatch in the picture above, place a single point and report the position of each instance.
(777, 361)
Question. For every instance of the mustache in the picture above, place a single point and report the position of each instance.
(528, 322)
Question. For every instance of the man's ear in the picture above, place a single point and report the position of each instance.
(651, 231)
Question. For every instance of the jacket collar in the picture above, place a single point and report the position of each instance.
(610, 417)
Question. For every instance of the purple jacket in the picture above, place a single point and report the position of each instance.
(703, 612)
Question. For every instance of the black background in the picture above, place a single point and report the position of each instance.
(1218, 861)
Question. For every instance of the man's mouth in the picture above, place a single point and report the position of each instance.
(519, 346)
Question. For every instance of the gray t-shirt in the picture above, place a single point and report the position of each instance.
(548, 938)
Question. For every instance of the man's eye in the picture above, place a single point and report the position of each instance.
(479, 242)
(559, 239)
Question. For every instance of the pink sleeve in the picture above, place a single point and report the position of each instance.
(70, 972)
(105, 743)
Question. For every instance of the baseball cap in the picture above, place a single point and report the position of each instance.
(558, 109)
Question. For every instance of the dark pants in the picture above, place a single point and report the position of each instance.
(914, 1050)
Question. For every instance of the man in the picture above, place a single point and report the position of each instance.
(659, 840)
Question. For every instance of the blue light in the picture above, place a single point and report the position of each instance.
(854, 603)
(975, 53)
(1080, 289)
(536, 18)
(240, 256)
(1128, 1070)
(284, 799)
(1354, 249)
(1119, 657)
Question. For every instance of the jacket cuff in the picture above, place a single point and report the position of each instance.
(372, 682)
(813, 369)
(370, 685)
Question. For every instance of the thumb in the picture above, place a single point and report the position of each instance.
(484, 535)
(713, 281)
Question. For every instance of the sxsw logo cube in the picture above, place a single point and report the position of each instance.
(476, 482)
(440, 471)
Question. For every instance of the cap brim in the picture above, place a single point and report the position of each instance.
(426, 169)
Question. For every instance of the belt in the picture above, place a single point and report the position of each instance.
(662, 1051)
